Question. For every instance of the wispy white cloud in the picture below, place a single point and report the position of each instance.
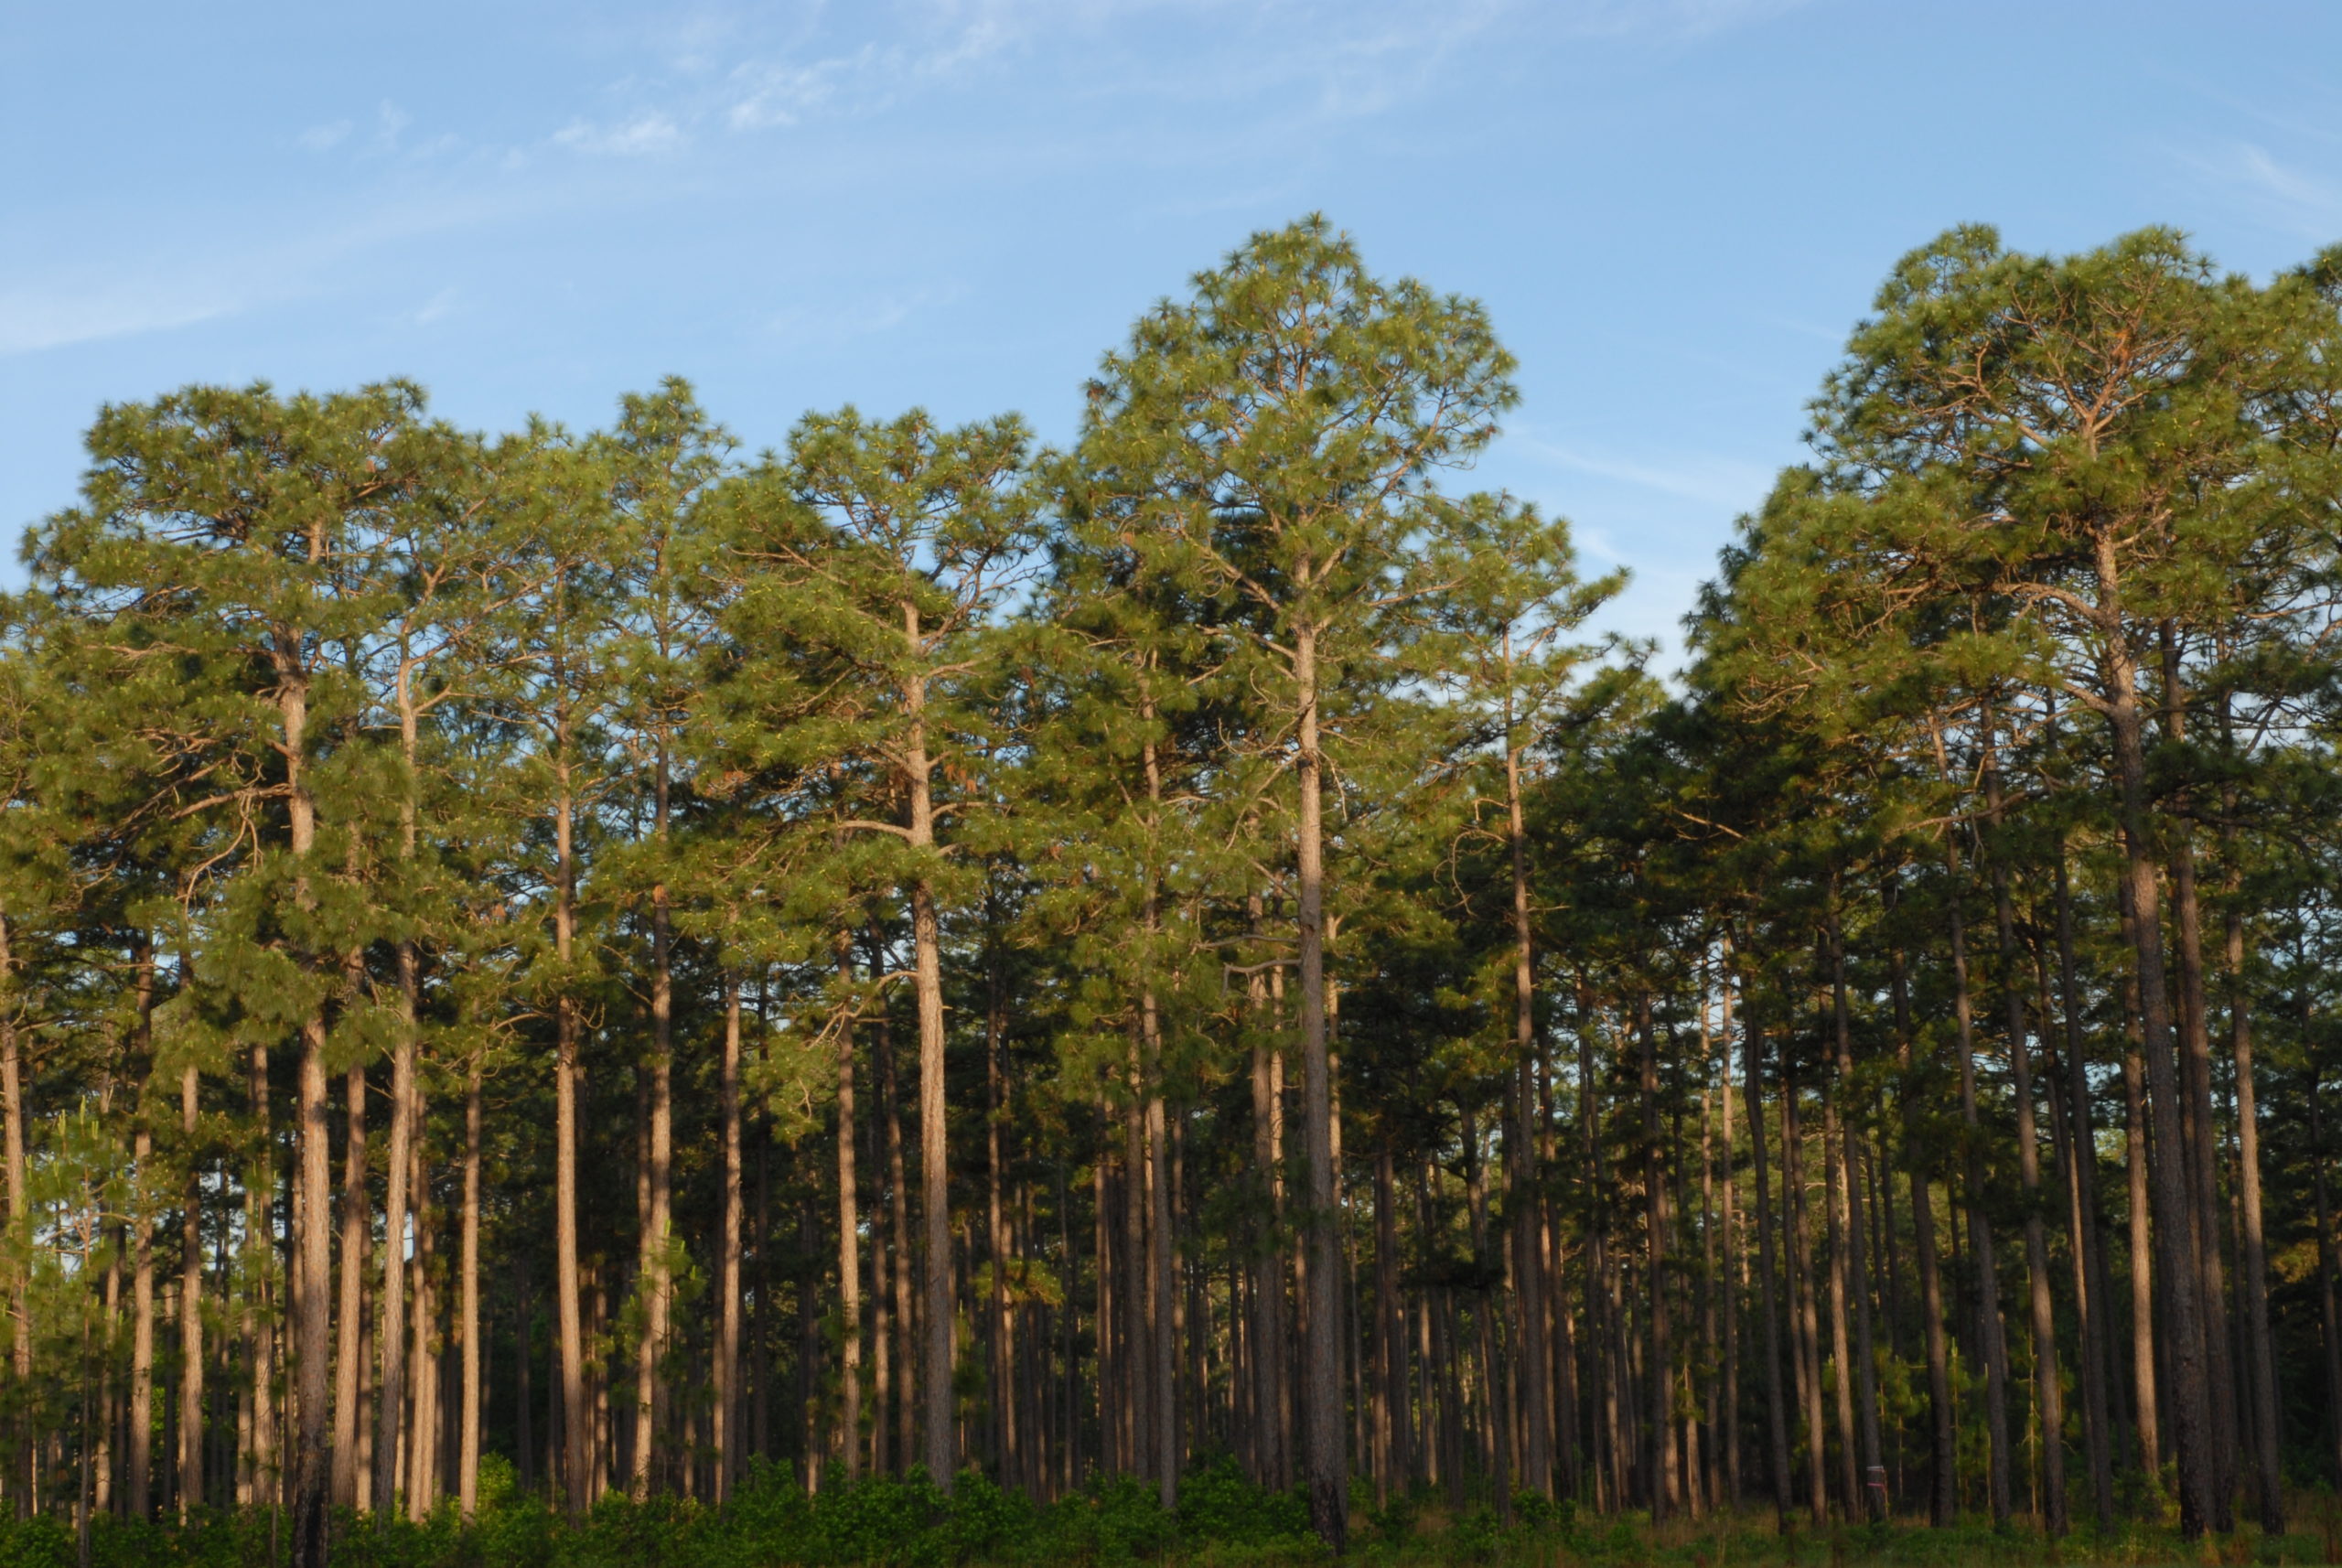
(390, 124)
(325, 138)
(32, 319)
(2284, 196)
(844, 321)
(1728, 484)
(435, 309)
(1674, 18)
(648, 132)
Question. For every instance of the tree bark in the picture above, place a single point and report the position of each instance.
(2266, 1450)
(728, 1249)
(191, 1306)
(2082, 1142)
(388, 1429)
(1944, 1455)
(1980, 1228)
(1529, 1284)
(2331, 1319)
(19, 1245)
(356, 1216)
(577, 1435)
(849, 1231)
(1661, 1476)
(467, 1288)
(1328, 1467)
(1776, 1429)
(2176, 1267)
(657, 1285)
(1871, 1501)
(939, 1447)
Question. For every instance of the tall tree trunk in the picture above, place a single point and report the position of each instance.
(1943, 1456)
(939, 1445)
(19, 1243)
(260, 1254)
(190, 1488)
(1664, 1482)
(138, 1479)
(388, 1431)
(1777, 1426)
(468, 1289)
(2140, 1254)
(1804, 1292)
(1161, 1270)
(1871, 1501)
(1729, 1427)
(577, 1434)
(656, 1284)
(2048, 1386)
(1272, 1448)
(2266, 1449)
(357, 1229)
(1000, 1314)
(1389, 1387)
(2081, 1143)
(849, 1228)
(1161, 1263)
(2331, 1319)
(898, 1380)
(2176, 1267)
(727, 1250)
(1979, 1227)
(1322, 1381)
(1529, 1284)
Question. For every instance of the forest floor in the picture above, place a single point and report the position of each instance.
(1222, 1522)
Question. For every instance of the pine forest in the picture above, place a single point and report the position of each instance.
(911, 995)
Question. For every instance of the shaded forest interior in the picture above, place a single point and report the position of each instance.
(573, 966)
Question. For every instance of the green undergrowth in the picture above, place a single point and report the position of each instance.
(1222, 1521)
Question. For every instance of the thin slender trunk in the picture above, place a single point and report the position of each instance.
(940, 1448)
(577, 1434)
(422, 1435)
(727, 1250)
(356, 1227)
(260, 1186)
(1389, 1385)
(1729, 1423)
(849, 1231)
(1777, 1428)
(2048, 1386)
(2082, 1142)
(468, 1307)
(1662, 1478)
(1872, 1501)
(2266, 1450)
(1805, 1292)
(1979, 1229)
(2140, 1254)
(191, 1489)
(392, 1394)
(19, 1242)
(1328, 1466)
(895, 1378)
(1943, 1490)
(2177, 1268)
(2331, 1314)
(1161, 1275)
(1161, 1264)
(1528, 1284)
(656, 1284)
(1001, 1316)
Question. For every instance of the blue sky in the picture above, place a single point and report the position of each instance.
(1673, 208)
